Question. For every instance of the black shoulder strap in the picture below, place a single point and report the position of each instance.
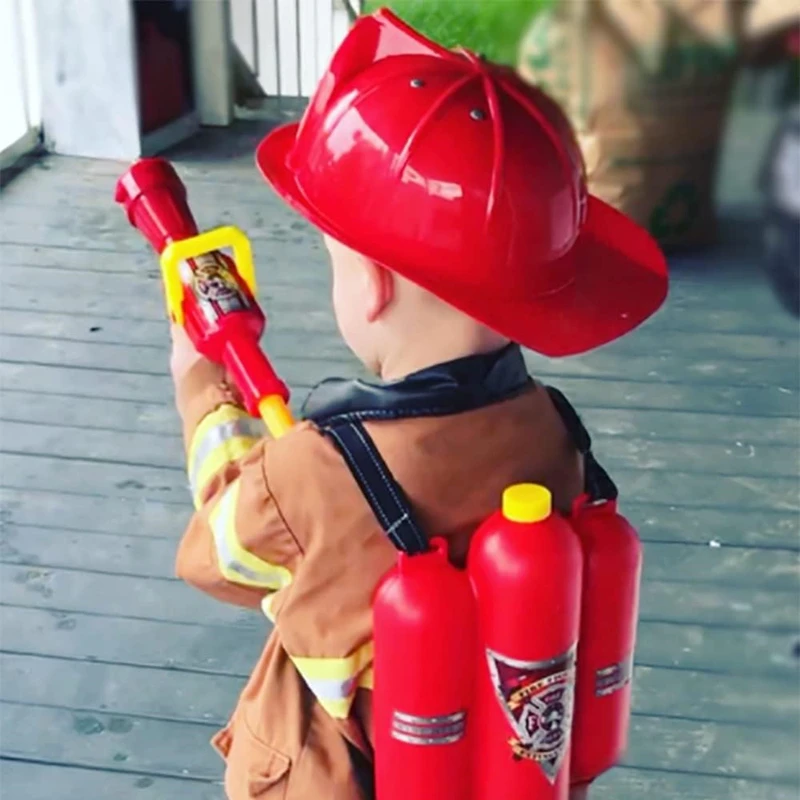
(598, 484)
(384, 495)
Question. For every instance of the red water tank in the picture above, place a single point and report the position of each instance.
(425, 643)
(612, 566)
(525, 565)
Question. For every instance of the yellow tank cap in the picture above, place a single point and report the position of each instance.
(527, 502)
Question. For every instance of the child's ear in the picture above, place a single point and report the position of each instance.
(379, 289)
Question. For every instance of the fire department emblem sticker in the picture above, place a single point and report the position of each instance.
(537, 699)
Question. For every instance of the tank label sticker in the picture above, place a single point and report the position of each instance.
(611, 679)
(537, 698)
(413, 729)
(216, 290)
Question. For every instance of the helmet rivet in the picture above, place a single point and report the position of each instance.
(477, 114)
(417, 83)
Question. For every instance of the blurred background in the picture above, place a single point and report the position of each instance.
(681, 106)
(113, 675)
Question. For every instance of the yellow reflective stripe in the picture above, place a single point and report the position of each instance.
(266, 607)
(334, 680)
(339, 708)
(227, 452)
(223, 436)
(225, 413)
(236, 564)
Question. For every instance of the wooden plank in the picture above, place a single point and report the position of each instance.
(282, 344)
(85, 513)
(306, 357)
(283, 289)
(684, 309)
(35, 781)
(92, 413)
(288, 358)
(665, 601)
(740, 431)
(78, 591)
(213, 649)
(169, 694)
(260, 213)
(631, 784)
(725, 651)
(722, 565)
(210, 698)
(152, 555)
(148, 516)
(745, 700)
(749, 438)
(285, 302)
(168, 599)
(729, 526)
(232, 650)
(76, 382)
(585, 393)
(119, 689)
(102, 224)
(146, 449)
(169, 485)
(616, 453)
(104, 741)
(95, 478)
(139, 556)
(712, 749)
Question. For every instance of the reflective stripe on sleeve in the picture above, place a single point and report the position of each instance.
(223, 436)
(334, 680)
(236, 564)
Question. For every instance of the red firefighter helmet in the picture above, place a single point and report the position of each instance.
(452, 172)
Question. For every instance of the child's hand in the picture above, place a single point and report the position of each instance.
(184, 354)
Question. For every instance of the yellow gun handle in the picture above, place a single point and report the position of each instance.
(276, 415)
(207, 242)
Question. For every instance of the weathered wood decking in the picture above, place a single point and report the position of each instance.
(114, 675)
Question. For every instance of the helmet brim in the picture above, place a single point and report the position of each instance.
(620, 273)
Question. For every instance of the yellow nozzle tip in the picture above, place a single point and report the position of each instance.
(527, 502)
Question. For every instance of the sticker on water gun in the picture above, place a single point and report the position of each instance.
(216, 289)
(611, 679)
(537, 698)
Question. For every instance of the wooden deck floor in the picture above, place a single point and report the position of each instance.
(114, 675)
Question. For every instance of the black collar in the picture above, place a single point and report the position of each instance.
(450, 388)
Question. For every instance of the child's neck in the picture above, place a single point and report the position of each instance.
(406, 360)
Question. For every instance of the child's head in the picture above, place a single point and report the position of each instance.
(395, 326)
(461, 188)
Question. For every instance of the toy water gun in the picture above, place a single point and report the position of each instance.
(209, 293)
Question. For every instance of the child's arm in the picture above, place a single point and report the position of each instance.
(236, 547)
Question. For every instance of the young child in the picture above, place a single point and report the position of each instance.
(453, 205)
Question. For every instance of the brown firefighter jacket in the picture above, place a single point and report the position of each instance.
(282, 526)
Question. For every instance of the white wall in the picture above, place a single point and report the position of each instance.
(89, 82)
(20, 101)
